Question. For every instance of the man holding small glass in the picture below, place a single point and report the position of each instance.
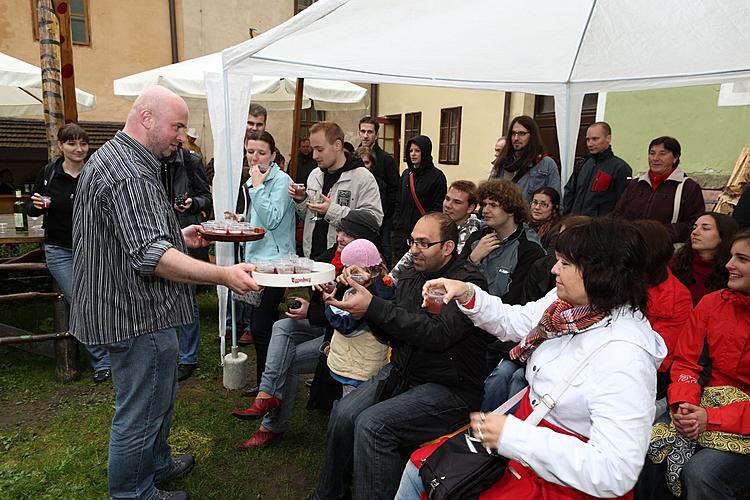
(339, 184)
(431, 382)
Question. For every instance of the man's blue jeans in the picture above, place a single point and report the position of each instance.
(294, 349)
(144, 373)
(60, 265)
(190, 335)
(505, 381)
(365, 438)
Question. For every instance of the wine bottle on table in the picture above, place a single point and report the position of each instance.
(19, 213)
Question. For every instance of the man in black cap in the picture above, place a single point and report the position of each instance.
(295, 344)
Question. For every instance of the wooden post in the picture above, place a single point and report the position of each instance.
(49, 49)
(295, 128)
(62, 9)
(67, 368)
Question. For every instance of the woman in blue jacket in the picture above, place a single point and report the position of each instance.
(269, 206)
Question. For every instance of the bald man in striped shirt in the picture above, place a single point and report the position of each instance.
(130, 288)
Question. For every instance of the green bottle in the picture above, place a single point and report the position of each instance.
(19, 213)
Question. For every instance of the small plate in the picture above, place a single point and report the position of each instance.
(258, 233)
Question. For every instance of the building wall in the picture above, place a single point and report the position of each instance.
(481, 117)
(711, 136)
(126, 37)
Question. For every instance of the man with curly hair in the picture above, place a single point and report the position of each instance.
(504, 248)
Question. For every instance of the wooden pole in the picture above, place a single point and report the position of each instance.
(62, 9)
(49, 49)
(295, 128)
(67, 368)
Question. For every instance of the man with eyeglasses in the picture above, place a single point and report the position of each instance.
(504, 248)
(430, 384)
(525, 162)
(601, 179)
(459, 204)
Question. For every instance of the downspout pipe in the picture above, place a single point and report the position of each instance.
(173, 30)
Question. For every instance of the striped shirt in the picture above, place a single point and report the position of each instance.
(123, 223)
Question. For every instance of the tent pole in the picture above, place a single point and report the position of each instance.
(295, 129)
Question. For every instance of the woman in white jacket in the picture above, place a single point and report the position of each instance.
(593, 442)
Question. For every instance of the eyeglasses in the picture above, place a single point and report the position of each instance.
(519, 133)
(542, 204)
(421, 244)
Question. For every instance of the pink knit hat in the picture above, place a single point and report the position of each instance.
(361, 253)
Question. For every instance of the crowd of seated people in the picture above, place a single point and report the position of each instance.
(528, 296)
(527, 290)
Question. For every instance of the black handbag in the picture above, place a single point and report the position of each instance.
(460, 469)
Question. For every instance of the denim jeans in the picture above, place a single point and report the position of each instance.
(263, 318)
(708, 475)
(505, 381)
(144, 373)
(190, 335)
(294, 349)
(411, 486)
(365, 438)
(60, 265)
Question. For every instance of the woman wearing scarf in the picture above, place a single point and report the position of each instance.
(524, 161)
(593, 441)
(664, 193)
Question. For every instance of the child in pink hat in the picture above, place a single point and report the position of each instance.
(355, 353)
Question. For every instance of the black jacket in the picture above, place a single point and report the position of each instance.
(58, 218)
(386, 173)
(430, 186)
(597, 187)
(188, 179)
(305, 165)
(185, 177)
(445, 349)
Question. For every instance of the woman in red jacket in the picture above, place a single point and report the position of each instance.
(700, 263)
(722, 321)
(669, 301)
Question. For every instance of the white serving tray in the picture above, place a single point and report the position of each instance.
(322, 273)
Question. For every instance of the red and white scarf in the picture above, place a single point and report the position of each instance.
(559, 319)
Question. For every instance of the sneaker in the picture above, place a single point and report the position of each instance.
(102, 376)
(184, 372)
(170, 495)
(180, 467)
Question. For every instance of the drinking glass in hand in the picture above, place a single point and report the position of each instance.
(315, 197)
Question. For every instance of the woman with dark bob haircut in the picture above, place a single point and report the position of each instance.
(53, 196)
(593, 440)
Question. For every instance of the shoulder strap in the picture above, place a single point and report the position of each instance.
(414, 194)
(49, 174)
(677, 200)
(550, 399)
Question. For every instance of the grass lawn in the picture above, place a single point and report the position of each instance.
(53, 437)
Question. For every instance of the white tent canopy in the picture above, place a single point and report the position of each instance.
(551, 47)
(564, 49)
(21, 89)
(186, 78)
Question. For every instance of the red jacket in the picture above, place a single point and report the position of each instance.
(669, 307)
(723, 319)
